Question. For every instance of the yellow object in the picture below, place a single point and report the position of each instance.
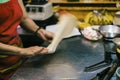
(56, 8)
(99, 18)
(88, 16)
(118, 50)
(83, 25)
(11, 67)
(29, 1)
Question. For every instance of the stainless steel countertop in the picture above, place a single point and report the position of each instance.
(67, 63)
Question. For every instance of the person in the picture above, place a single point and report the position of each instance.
(12, 54)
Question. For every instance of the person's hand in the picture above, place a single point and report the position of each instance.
(45, 35)
(34, 50)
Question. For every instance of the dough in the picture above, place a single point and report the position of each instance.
(66, 24)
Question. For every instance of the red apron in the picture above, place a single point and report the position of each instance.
(10, 17)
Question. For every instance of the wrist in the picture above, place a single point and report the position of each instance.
(36, 31)
(18, 49)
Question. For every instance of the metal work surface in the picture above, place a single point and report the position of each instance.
(67, 63)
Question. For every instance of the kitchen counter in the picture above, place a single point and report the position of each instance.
(67, 63)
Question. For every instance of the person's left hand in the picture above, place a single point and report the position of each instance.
(45, 35)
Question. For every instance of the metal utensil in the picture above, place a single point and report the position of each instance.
(109, 31)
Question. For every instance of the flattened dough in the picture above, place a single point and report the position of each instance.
(66, 24)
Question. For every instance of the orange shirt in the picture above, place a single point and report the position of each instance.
(10, 18)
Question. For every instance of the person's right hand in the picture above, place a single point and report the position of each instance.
(31, 51)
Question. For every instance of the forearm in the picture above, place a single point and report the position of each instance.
(29, 24)
(13, 50)
(26, 21)
(9, 48)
